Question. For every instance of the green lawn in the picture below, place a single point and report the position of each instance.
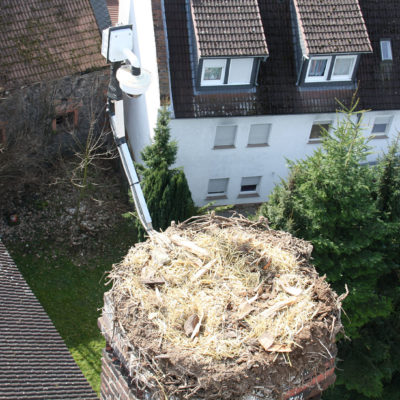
(72, 291)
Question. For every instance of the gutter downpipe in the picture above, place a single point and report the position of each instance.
(115, 109)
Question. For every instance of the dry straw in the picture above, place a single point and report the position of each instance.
(216, 286)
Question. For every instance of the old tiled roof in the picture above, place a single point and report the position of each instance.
(44, 40)
(277, 93)
(34, 361)
(113, 6)
(332, 26)
(228, 28)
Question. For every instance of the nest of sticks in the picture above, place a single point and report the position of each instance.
(222, 308)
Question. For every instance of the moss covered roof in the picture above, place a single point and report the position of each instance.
(46, 39)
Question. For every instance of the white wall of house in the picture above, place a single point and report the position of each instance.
(288, 139)
(141, 113)
(288, 136)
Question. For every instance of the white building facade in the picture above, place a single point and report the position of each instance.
(236, 153)
(227, 174)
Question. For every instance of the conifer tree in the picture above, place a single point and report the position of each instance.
(386, 331)
(165, 189)
(389, 182)
(372, 360)
(330, 199)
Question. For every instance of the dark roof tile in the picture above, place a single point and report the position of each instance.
(228, 28)
(332, 26)
(34, 361)
(101, 13)
(277, 93)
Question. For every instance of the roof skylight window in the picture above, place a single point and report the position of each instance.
(386, 50)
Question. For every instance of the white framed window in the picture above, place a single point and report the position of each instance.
(318, 69)
(225, 136)
(217, 187)
(259, 135)
(240, 70)
(222, 71)
(386, 50)
(213, 72)
(343, 68)
(381, 126)
(250, 185)
(317, 131)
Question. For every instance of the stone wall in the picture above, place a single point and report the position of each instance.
(48, 112)
(44, 123)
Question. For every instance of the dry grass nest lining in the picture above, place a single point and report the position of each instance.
(218, 286)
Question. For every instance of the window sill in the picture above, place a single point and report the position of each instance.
(317, 141)
(258, 145)
(223, 89)
(379, 137)
(230, 146)
(247, 195)
(217, 197)
(326, 85)
(344, 80)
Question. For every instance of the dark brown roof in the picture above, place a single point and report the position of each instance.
(332, 26)
(113, 6)
(277, 93)
(43, 40)
(228, 28)
(34, 361)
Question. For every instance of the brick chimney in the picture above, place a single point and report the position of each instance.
(116, 381)
(161, 49)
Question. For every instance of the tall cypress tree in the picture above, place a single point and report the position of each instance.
(165, 189)
(330, 199)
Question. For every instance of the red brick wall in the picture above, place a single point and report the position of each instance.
(115, 381)
(161, 48)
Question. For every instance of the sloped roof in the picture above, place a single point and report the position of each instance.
(44, 40)
(34, 361)
(228, 28)
(113, 6)
(277, 92)
(101, 13)
(332, 26)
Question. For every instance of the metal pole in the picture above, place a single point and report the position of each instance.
(117, 121)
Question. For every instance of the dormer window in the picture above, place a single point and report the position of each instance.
(227, 71)
(330, 53)
(330, 68)
(227, 44)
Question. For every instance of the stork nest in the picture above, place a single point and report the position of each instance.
(216, 307)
